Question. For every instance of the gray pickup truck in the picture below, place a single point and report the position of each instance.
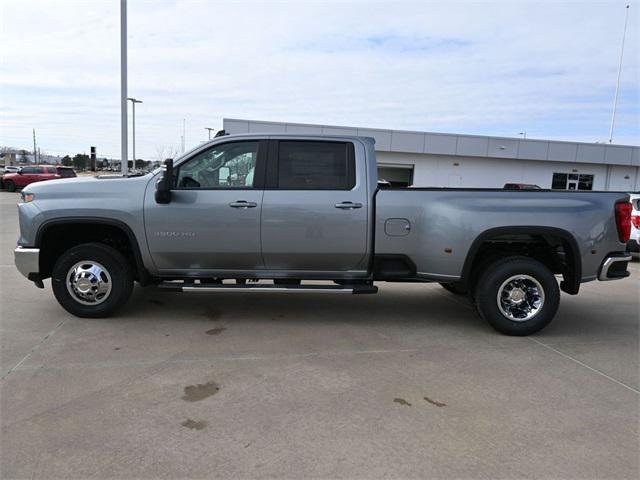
(270, 213)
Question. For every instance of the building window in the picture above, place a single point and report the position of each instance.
(572, 181)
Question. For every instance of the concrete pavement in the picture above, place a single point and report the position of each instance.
(409, 383)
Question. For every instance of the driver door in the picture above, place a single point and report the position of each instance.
(213, 220)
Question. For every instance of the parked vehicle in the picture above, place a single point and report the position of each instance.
(633, 246)
(243, 210)
(36, 173)
(520, 186)
(9, 169)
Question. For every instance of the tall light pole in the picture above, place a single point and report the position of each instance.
(133, 106)
(615, 97)
(184, 133)
(524, 135)
(209, 129)
(124, 166)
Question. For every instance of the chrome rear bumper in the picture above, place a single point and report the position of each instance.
(614, 267)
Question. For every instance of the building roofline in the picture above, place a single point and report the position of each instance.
(438, 143)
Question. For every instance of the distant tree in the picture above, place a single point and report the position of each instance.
(23, 156)
(166, 151)
(66, 161)
(142, 164)
(80, 161)
(105, 163)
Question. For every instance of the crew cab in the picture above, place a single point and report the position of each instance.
(36, 173)
(270, 213)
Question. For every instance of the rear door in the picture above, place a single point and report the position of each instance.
(315, 207)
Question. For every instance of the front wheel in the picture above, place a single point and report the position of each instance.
(92, 280)
(9, 186)
(517, 296)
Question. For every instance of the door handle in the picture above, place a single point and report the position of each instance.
(348, 205)
(243, 204)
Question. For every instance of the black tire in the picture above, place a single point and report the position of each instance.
(454, 288)
(9, 186)
(532, 272)
(117, 267)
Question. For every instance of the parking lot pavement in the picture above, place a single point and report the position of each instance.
(406, 383)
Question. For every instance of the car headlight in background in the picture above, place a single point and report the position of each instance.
(27, 197)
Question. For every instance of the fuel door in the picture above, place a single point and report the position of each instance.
(397, 227)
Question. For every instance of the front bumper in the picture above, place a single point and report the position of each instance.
(614, 267)
(27, 262)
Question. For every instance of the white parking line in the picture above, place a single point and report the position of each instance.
(33, 350)
(595, 370)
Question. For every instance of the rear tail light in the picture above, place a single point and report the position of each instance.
(623, 220)
(635, 220)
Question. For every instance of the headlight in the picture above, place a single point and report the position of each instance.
(27, 197)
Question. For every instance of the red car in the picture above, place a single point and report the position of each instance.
(35, 173)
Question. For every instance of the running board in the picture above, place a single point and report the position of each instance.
(193, 287)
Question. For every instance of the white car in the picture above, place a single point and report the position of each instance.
(9, 169)
(633, 246)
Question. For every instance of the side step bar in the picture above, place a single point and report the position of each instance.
(194, 287)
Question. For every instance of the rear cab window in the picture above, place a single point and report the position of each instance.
(313, 165)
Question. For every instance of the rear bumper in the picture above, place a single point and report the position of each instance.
(27, 261)
(614, 267)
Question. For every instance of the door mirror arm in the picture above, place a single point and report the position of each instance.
(165, 183)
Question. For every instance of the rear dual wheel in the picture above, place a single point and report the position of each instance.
(517, 296)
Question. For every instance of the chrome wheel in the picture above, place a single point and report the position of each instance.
(89, 283)
(520, 298)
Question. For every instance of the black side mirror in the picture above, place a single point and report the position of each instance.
(165, 183)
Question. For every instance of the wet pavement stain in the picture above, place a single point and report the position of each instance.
(433, 402)
(215, 331)
(194, 425)
(195, 393)
(156, 302)
(117, 348)
(401, 401)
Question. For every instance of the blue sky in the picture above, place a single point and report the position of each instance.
(496, 68)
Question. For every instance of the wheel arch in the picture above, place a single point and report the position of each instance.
(571, 276)
(68, 224)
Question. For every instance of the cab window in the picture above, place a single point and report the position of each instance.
(227, 166)
(313, 165)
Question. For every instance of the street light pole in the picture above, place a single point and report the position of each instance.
(133, 106)
(615, 98)
(209, 129)
(524, 135)
(123, 88)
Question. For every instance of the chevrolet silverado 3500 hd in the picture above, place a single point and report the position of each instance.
(238, 211)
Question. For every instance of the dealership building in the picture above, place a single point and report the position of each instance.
(427, 159)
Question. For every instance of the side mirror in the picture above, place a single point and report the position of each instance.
(165, 183)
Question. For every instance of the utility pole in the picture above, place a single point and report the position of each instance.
(35, 152)
(124, 166)
(133, 106)
(184, 133)
(209, 129)
(615, 97)
(524, 135)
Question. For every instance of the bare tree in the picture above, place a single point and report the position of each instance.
(166, 151)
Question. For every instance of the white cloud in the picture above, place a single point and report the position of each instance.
(469, 67)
